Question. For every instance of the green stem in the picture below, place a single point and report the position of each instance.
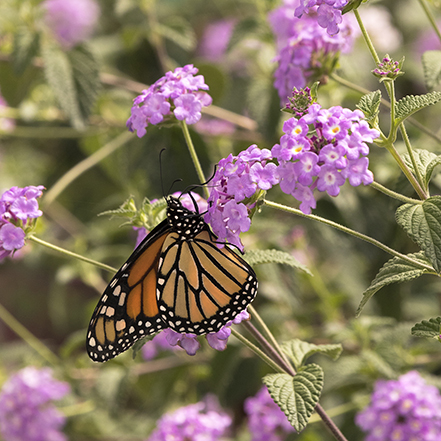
(430, 17)
(338, 435)
(257, 351)
(71, 254)
(405, 169)
(391, 91)
(85, 165)
(366, 37)
(349, 231)
(267, 331)
(410, 152)
(338, 410)
(371, 47)
(394, 194)
(385, 103)
(28, 337)
(194, 157)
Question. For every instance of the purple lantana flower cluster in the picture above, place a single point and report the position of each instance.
(335, 152)
(320, 150)
(306, 52)
(328, 12)
(26, 409)
(169, 339)
(71, 21)
(266, 421)
(217, 340)
(195, 422)
(407, 409)
(236, 180)
(18, 210)
(179, 93)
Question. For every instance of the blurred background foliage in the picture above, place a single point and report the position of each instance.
(135, 42)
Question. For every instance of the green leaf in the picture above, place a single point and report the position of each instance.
(74, 78)
(427, 328)
(425, 161)
(422, 222)
(179, 31)
(352, 4)
(396, 270)
(430, 168)
(25, 47)
(296, 396)
(432, 68)
(257, 257)
(369, 104)
(411, 104)
(126, 209)
(59, 75)
(299, 351)
(86, 77)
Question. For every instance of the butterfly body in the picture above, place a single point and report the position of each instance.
(177, 278)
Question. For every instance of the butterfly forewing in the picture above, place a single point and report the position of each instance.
(128, 308)
(200, 286)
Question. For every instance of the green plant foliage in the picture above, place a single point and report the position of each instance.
(428, 328)
(410, 104)
(432, 68)
(257, 257)
(422, 223)
(299, 351)
(396, 270)
(296, 396)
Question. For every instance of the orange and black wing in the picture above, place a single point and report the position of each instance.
(201, 286)
(128, 309)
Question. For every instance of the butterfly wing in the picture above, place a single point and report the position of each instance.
(128, 308)
(200, 286)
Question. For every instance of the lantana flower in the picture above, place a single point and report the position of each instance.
(27, 412)
(18, 211)
(305, 50)
(71, 21)
(180, 93)
(266, 421)
(194, 422)
(320, 150)
(407, 409)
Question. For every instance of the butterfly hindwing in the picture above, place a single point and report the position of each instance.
(200, 286)
(128, 308)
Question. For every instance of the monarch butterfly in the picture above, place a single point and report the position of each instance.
(176, 278)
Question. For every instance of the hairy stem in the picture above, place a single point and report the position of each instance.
(194, 157)
(430, 17)
(351, 232)
(257, 351)
(338, 79)
(394, 194)
(85, 165)
(338, 435)
(71, 254)
(28, 337)
(412, 158)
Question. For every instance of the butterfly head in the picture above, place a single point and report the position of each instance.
(183, 221)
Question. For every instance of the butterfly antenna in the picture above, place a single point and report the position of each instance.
(193, 186)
